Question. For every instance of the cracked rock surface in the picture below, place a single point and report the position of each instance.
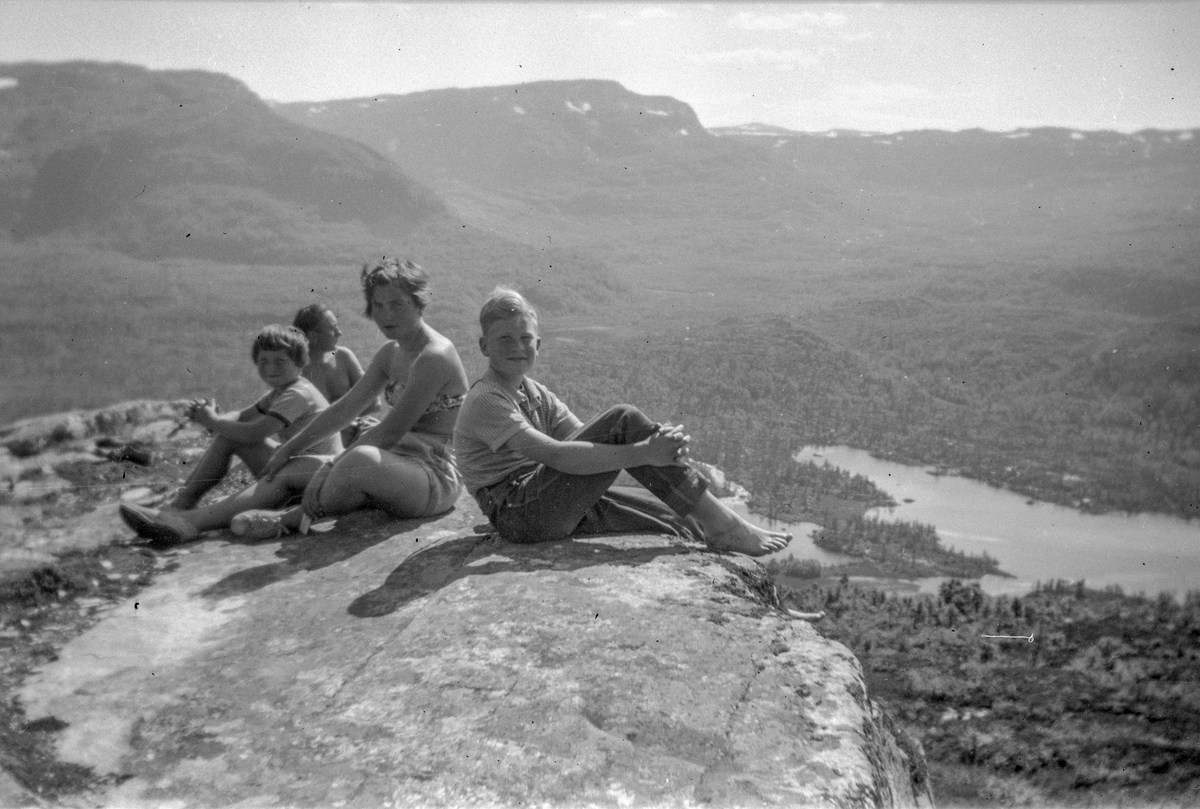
(428, 663)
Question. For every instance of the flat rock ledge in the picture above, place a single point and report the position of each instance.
(429, 664)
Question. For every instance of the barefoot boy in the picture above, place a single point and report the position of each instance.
(540, 474)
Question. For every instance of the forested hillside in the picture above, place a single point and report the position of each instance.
(1022, 306)
(753, 393)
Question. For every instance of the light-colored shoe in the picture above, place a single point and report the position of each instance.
(157, 525)
(258, 524)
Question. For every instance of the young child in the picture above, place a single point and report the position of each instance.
(253, 433)
(540, 474)
(333, 368)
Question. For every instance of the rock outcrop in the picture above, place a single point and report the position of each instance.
(428, 663)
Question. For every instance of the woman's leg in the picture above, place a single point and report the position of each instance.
(369, 476)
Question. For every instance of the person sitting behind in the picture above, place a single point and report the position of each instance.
(255, 432)
(540, 474)
(333, 368)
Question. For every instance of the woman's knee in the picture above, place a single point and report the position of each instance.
(357, 458)
(349, 470)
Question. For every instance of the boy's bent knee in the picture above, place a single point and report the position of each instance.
(625, 414)
(625, 410)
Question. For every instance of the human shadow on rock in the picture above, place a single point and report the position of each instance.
(351, 535)
(430, 569)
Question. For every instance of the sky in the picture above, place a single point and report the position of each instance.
(884, 67)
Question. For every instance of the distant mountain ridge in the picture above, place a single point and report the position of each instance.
(640, 180)
(501, 135)
(186, 163)
(1021, 155)
(191, 163)
(513, 135)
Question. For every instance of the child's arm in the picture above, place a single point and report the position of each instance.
(428, 374)
(665, 448)
(247, 426)
(333, 418)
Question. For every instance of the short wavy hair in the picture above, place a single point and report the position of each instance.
(407, 275)
(281, 338)
(505, 303)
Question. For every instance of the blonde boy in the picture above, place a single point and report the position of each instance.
(540, 474)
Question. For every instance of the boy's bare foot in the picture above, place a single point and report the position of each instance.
(740, 536)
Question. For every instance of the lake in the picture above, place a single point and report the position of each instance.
(1034, 541)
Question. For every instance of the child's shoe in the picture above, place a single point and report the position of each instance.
(258, 524)
(158, 526)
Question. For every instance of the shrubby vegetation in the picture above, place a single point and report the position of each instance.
(900, 549)
(794, 568)
(1100, 707)
(810, 492)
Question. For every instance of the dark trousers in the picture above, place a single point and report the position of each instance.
(544, 504)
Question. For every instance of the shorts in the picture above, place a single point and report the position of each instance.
(435, 454)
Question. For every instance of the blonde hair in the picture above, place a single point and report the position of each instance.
(504, 304)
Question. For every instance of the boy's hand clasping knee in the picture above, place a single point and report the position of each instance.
(668, 446)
